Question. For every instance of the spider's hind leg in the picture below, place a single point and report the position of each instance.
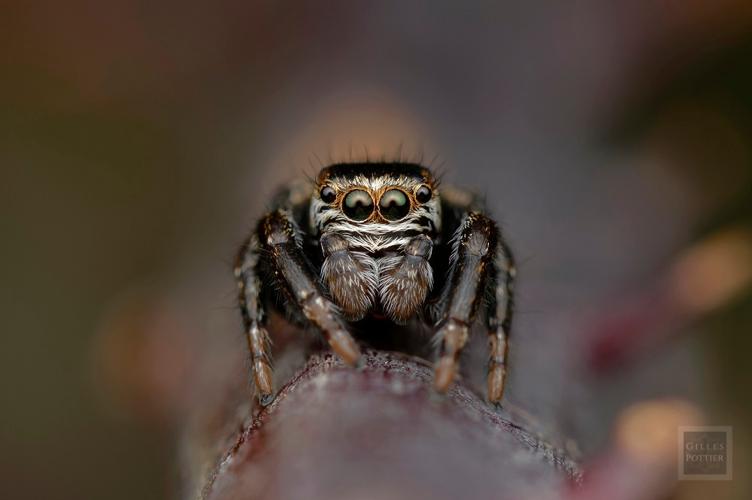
(252, 312)
(499, 320)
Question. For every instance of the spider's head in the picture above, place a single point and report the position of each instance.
(378, 199)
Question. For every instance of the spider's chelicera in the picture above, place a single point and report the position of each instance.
(368, 240)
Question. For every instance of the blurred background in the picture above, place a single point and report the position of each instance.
(139, 142)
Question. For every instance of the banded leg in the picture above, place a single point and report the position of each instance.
(473, 251)
(283, 253)
(499, 320)
(252, 312)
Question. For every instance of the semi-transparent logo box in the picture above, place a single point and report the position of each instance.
(705, 453)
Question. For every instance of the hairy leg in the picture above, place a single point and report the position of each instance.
(283, 254)
(473, 249)
(252, 312)
(499, 320)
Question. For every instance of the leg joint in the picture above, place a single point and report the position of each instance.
(277, 228)
(479, 235)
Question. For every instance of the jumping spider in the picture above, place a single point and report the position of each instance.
(367, 241)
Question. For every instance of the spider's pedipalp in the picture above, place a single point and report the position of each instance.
(405, 279)
(350, 277)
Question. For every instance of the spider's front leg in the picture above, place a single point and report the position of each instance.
(472, 264)
(276, 246)
(280, 239)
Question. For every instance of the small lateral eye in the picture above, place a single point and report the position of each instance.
(394, 204)
(358, 205)
(423, 194)
(328, 195)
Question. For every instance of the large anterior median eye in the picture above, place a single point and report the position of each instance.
(358, 205)
(394, 204)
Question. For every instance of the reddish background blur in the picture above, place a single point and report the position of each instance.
(140, 140)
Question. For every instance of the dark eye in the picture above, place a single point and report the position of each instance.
(394, 204)
(328, 195)
(358, 205)
(423, 194)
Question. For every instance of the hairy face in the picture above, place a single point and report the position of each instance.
(376, 206)
(377, 224)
